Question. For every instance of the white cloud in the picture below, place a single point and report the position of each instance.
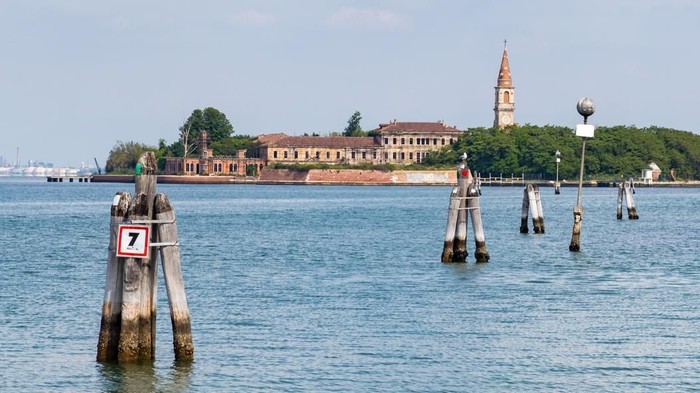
(348, 17)
(252, 18)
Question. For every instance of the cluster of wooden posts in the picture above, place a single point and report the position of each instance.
(626, 189)
(128, 326)
(533, 203)
(464, 198)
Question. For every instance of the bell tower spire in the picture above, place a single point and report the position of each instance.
(505, 94)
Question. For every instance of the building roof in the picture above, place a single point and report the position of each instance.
(417, 127)
(267, 138)
(504, 79)
(338, 142)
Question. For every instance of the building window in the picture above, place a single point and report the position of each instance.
(296, 155)
(410, 156)
(435, 141)
(386, 141)
(506, 97)
(285, 154)
(403, 156)
(394, 141)
(443, 141)
(230, 168)
(394, 155)
(235, 168)
(410, 141)
(450, 141)
(307, 155)
(328, 155)
(352, 155)
(337, 155)
(364, 155)
(318, 155)
(403, 141)
(374, 155)
(274, 154)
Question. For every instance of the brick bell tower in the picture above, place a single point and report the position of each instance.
(504, 110)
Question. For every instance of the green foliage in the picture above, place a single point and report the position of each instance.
(124, 156)
(614, 152)
(353, 128)
(229, 145)
(210, 120)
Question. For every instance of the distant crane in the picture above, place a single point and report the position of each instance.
(99, 170)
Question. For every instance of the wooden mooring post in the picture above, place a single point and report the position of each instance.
(626, 190)
(141, 227)
(464, 198)
(532, 202)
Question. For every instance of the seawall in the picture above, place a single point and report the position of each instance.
(360, 177)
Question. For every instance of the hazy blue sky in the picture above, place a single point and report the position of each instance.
(78, 75)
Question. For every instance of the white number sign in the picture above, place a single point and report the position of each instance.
(133, 241)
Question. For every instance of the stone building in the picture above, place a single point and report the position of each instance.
(209, 164)
(393, 143)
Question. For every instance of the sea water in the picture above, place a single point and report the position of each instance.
(335, 288)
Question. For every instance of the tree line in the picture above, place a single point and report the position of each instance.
(614, 152)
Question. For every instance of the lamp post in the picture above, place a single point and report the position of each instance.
(557, 155)
(585, 108)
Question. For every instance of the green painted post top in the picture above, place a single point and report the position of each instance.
(139, 168)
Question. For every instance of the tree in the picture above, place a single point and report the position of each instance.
(210, 120)
(229, 146)
(124, 156)
(353, 128)
(185, 141)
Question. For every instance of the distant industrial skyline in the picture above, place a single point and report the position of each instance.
(80, 75)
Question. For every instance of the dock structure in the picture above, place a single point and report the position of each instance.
(69, 179)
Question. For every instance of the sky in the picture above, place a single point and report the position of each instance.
(77, 76)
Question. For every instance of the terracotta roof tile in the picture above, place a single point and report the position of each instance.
(324, 141)
(416, 127)
(267, 138)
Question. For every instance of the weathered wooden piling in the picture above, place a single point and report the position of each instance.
(452, 212)
(626, 189)
(174, 284)
(145, 179)
(110, 325)
(135, 339)
(464, 179)
(532, 202)
(539, 226)
(481, 253)
(523, 212)
(620, 192)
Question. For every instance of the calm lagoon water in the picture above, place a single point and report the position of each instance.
(322, 289)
